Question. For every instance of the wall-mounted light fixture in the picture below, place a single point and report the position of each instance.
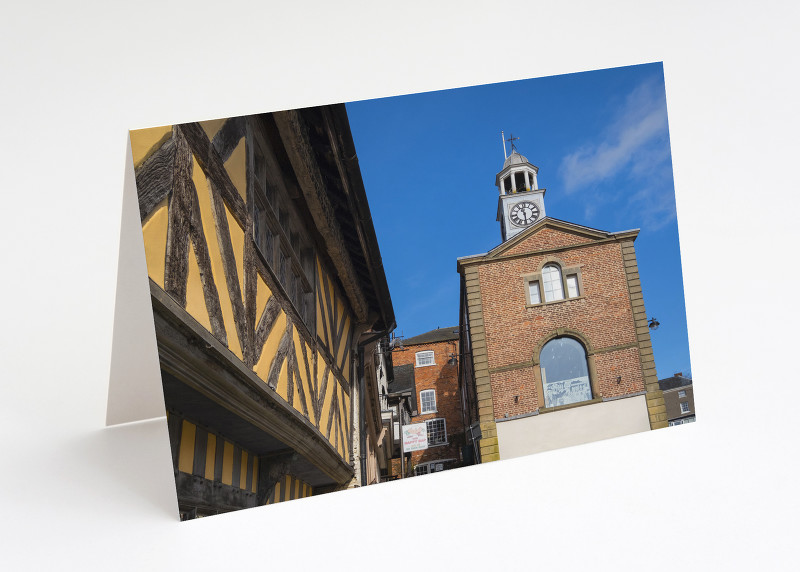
(653, 324)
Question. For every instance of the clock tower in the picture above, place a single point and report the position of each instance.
(555, 348)
(521, 202)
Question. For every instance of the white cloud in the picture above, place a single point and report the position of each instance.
(634, 145)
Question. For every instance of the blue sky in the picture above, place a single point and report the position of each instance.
(601, 142)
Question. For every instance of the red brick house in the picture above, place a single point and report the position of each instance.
(429, 363)
(556, 350)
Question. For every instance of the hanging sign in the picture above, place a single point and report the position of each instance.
(415, 437)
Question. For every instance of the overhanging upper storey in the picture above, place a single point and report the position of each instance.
(320, 148)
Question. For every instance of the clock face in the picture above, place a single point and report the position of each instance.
(524, 213)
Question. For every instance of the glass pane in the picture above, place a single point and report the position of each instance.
(424, 358)
(572, 286)
(551, 280)
(428, 399)
(565, 374)
(533, 288)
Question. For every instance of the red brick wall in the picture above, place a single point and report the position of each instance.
(548, 238)
(443, 378)
(602, 315)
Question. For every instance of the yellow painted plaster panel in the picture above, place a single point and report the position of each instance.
(332, 315)
(321, 303)
(297, 488)
(212, 126)
(306, 383)
(271, 347)
(217, 269)
(342, 343)
(342, 421)
(186, 453)
(276, 493)
(243, 471)
(254, 484)
(326, 404)
(320, 329)
(346, 410)
(211, 456)
(145, 142)
(283, 381)
(263, 294)
(154, 232)
(236, 165)
(227, 463)
(237, 242)
(195, 300)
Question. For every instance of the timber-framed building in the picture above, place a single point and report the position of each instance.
(267, 284)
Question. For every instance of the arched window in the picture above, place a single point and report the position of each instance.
(551, 281)
(554, 283)
(565, 372)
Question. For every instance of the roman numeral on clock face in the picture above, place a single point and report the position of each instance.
(524, 213)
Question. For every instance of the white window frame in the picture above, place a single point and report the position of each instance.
(424, 355)
(552, 282)
(572, 288)
(444, 430)
(535, 294)
(422, 409)
(686, 410)
(681, 394)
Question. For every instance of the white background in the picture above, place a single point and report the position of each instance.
(720, 494)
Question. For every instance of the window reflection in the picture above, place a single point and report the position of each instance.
(565, 373)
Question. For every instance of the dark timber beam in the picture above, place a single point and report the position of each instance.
(191, 354)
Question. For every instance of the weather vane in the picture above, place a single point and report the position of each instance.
(510, 140)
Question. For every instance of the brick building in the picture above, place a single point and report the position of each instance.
(429, 364)
(678, 398)
(556, 350)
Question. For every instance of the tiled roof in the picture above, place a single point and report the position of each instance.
(404, 381)
(438, 335)
(674, 382)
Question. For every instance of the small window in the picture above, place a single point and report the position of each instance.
(572, 286)
(533, 291)
(425, 358)
(433, 467)
(554, 283)
(681, 393)
(684, 407)
(437, 432)
(551, 279)
(427, 400)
